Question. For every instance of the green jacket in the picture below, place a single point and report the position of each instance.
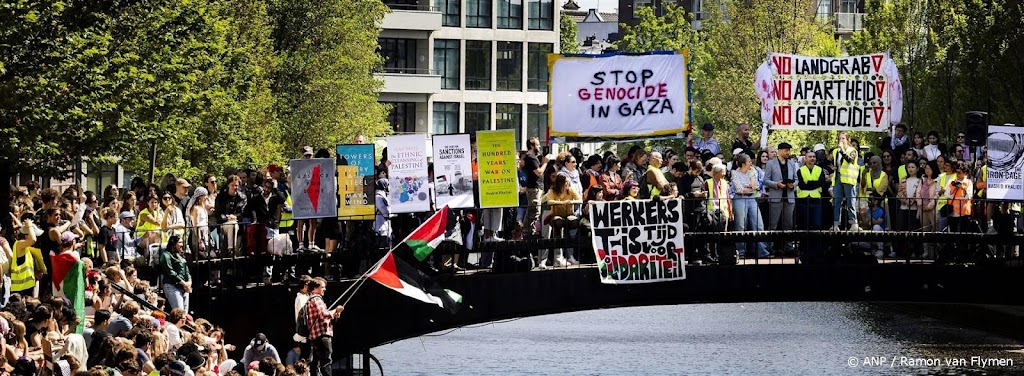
(173, 268)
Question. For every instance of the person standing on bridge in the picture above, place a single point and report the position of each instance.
(321, 328)
(779, 179)
(845, 183)
(810, 181)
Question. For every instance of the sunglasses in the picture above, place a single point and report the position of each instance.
(960, 136)
(167, 199)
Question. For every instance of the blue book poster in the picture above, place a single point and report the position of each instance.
(356, 181)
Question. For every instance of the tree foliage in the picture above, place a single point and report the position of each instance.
(953, 57)
(567, 34)
(213, 83)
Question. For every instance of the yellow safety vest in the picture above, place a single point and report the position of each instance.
(943, 183)
(655, 191)
(847, 171)
(873, 184)
(902, 173)
(814, 174)
(286, 218)
(23, 276)
(144, 228)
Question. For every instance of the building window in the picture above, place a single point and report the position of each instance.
(641, 3)
(402, 116)
(542, 15)
(451, 13)
(698, 9)
(399, 55)
(478, 65)
(446, 61)
(478, 13)
(848, 6)
(510, 14)
(510, 116)
(537, 122)
(478, 117)
(446, 118)
(537, 66)
(510, 66)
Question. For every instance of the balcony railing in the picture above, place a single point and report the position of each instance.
(413, 7)
(849, 22)
(399, 70)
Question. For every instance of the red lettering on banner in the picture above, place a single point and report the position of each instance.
(783, 90)
(649, 91)
(783, 115)
(878, 115)
(879, 89)
(876, 60)
(662, 90)
(782, 63)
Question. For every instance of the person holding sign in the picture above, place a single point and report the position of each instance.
(845, 183)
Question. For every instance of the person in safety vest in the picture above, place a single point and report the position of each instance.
(811, 180)
(845, 184)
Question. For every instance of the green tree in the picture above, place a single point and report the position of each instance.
(567, 34)
(323, 88)
(671, 32)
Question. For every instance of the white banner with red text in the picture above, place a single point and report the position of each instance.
(617, 96)
(856, 93)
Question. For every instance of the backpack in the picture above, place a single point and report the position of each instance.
(302, 323)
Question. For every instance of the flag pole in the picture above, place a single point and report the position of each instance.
(362, 279)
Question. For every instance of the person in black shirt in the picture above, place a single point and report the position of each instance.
(743, 140)
(533, 165)
(108, 238)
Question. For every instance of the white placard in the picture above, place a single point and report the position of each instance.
(407, 173)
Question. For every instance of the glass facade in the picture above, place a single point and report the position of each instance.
(510, 116)
(542, 14)
(478, 13)
(399, 55)
(510, 66)
(478, 117)
(451, 12)
(446, 61)
(537, 66)
(510, 14)
(478, 65)
(446, 118)
(402, 116)
(537, 121)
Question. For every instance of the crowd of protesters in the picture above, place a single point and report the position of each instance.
(135, 247)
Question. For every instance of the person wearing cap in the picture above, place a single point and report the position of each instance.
(258, 349)
(64, 261)
(126, 236)
(779, 182)
(707, 141)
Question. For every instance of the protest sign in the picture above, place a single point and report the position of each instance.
(616, 96)
(638, 241)
(314, 188)
(1005, 168)
(496, 164)
(356, 181)
(861, 93)
(453, 171)
(407, 174)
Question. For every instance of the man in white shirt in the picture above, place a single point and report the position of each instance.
(127, 236)
(301, 298)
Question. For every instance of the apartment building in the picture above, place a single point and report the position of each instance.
(459, 66)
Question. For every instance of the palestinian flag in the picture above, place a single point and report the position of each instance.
(398, 275)
(69, 282)
(430, 234)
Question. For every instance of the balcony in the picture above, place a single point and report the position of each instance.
(410, 81)
(412, 17)
(847, 23)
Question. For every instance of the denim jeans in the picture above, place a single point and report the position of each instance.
(748, 217)
(176, 296)
(839, 192)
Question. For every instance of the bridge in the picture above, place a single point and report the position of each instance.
(377, 315)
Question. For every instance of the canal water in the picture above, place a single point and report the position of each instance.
(711, 339)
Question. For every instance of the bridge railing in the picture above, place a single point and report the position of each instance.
(239, 253)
